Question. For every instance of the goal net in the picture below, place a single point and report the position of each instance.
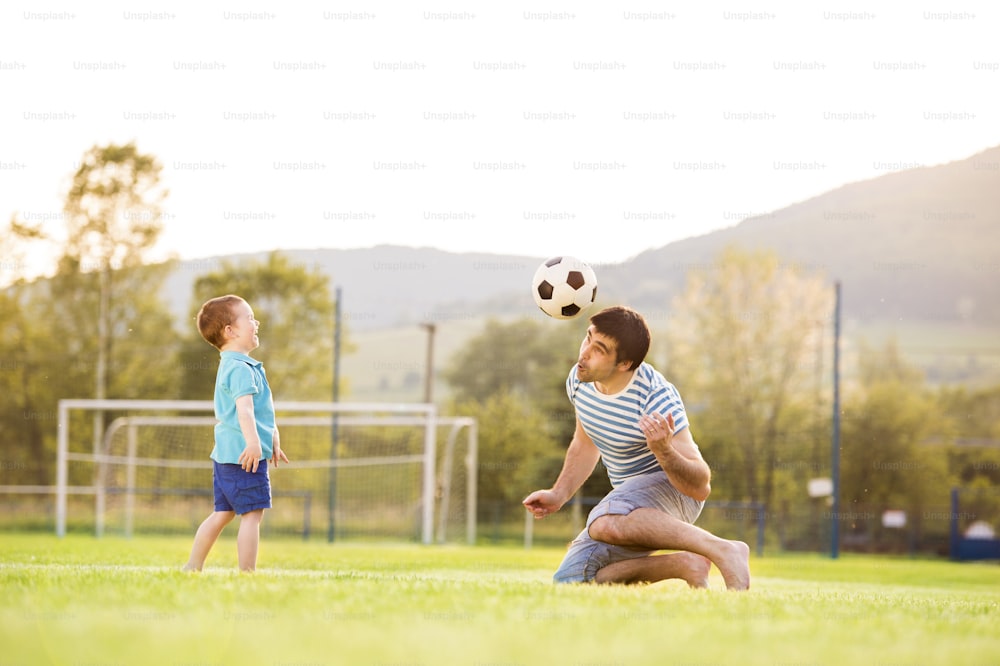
(361, 471)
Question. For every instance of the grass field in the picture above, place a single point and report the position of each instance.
(86, 601)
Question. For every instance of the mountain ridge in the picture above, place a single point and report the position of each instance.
(921, 244)
(917, 245)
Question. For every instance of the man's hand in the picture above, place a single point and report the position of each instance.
(249, 459)
(678, 455)
(542, 502)
(659, 431)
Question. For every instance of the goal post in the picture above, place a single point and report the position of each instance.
(377, 467)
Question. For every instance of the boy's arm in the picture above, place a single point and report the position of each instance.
(278, 453)
(249, 459)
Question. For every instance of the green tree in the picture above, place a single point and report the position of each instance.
(21, 415)
(114, 216)
(20, 430)
(525, 358)
(96, 327)
(884, 464)
(515, 453)
(743, 350)
(513, 374)
(295, 307)
(968, 428)
(14, 241)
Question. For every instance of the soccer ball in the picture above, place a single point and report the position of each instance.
(564, 287)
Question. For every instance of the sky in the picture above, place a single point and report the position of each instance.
(598, 130)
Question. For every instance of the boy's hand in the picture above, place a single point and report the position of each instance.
(249, 459)
(278, 453)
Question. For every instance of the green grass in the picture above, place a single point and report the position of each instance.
(81, 600)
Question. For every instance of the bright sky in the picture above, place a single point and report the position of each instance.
(593, 129)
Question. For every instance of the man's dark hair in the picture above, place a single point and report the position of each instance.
(628, 329)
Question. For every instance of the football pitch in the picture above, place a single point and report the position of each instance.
(86, 601)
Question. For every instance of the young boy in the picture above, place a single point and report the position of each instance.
(245, 436)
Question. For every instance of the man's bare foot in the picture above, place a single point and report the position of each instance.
(735, 565)
(190, 567)
(694, 569)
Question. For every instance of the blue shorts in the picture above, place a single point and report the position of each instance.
(586, 556)
(240, 491)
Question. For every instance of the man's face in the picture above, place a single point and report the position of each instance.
(598, 360)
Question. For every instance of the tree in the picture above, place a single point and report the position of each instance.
(743, 350)
(970, 417)
(515, 453)
(21, 417)
(525, 358)
(295, 308)
(13, 244)
(514, 374)
(16, 363)
(886, 419)
(113, 215)
(966, 430)
(97, 322)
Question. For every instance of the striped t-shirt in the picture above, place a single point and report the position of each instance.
(612, 421)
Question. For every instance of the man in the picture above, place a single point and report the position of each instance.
(631, 418)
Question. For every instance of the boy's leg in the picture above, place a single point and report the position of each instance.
(248, 539)
(206, 536)
(651, 529)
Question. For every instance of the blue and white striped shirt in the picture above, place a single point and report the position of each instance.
(612, 421)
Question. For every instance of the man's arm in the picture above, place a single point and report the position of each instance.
(581, 458)
(678, 455)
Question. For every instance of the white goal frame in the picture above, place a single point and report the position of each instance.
(415, 414)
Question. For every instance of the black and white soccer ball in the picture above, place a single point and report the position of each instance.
(564, 287)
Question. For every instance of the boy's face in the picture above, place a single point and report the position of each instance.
(242, 334)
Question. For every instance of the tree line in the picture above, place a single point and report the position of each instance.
(99, 328)
(748, 342)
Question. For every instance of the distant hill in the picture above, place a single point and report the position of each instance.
(917, 253)
(916, 245)
(921, 245)
(389, 286)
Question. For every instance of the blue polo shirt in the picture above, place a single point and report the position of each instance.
(241, 375)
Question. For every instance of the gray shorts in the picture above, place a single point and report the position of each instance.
(586, 556)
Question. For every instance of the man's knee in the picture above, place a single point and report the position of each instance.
(606, 528)
(626, 529)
